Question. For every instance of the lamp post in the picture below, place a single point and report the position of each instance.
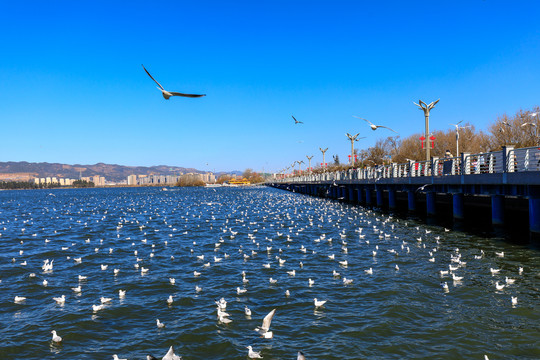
(457, 135)
(300, 166)
(309, 159)
(353, 139)
(426, 108)
(323, 152)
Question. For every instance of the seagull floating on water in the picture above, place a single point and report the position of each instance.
(253, 354)
(55, 337)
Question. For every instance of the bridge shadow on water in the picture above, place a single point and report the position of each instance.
(477, 219)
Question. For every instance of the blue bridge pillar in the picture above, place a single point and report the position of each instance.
(534, 212)
(368, 196)
(380, 194)
(391, 199)
(411, 199)
(497, 210)
(430, 203)
(360, 195)
(351, 193)
(457, 206)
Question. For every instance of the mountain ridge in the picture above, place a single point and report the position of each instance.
(111, 172)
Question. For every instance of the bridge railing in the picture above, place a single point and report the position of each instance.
(506, 160)
(524, 159)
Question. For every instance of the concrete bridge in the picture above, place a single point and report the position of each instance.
(502, 183)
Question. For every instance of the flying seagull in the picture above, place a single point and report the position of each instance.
(373, 126)
(169, 356)
(168, 94)
(296, 121)
(266, 323)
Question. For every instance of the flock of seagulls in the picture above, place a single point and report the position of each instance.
(371, 125)
(304, 252)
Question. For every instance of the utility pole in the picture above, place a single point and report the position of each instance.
(309, 159)
(423, 106)
(323, 152)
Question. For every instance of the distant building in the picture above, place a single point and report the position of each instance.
(132, 180)
(98, 180)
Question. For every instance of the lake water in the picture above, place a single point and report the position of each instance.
(389, 314)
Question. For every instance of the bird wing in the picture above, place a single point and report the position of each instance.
(170, 355)
(152, 77)
(358, 117)
(301, 356)
(268, 320)
(186, 95)
(296, 121)
(386, 127)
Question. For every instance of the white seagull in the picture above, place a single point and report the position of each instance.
(266, 323)
(253, 354)
(168, 94)
(319, 303)
(169, 356)
(373, 126)
(55, 337)
(60, 300)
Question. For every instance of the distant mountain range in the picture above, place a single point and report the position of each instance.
(111, 172)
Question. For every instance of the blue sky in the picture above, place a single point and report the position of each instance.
(73, 90)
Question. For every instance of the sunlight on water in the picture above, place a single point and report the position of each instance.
(393, 288)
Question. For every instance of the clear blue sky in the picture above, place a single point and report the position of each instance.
(72, 88)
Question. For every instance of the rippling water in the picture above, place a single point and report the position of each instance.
(389, 314)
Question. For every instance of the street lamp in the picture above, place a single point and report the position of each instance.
(457, 134)
(309, 159)
(300, 166)
(423, 106)
(323, 152)
(353, 139)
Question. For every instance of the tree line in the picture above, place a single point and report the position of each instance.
(520, 130)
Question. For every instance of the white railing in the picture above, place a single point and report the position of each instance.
(506, 160)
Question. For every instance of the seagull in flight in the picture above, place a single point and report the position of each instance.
(373, 126)
(296, 121)
(170, 355)
(168, 94)
(266, 323)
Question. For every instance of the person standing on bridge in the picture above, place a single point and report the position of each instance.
(447, 165)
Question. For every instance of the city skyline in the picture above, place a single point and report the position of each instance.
(74, 91)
